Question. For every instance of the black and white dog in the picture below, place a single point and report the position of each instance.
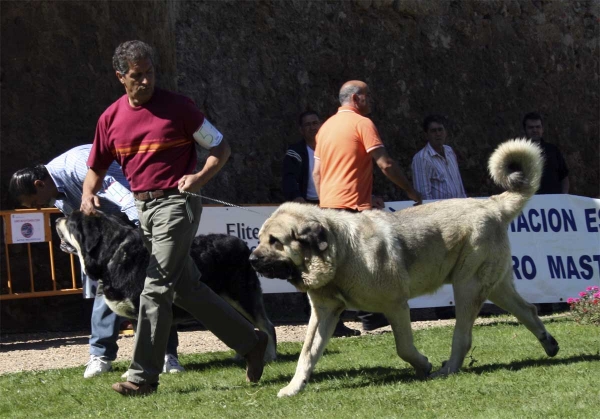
(112, 251)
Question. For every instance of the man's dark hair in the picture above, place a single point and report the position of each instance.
(438, 119)
(21, 182)
(305, 114)
(532, 116)
(131, 52)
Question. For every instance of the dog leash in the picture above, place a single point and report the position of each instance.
(222, 202)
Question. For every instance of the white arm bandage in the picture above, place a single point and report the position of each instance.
(208, 136)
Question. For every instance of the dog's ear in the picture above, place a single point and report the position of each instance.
(91, 232)
(314, 234)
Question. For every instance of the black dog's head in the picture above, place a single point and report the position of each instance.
(96, 239)
(110, 250)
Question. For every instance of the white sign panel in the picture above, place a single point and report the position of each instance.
(555, 246)
(245, 224)
(27, 228)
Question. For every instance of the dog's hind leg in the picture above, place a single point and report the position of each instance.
(399, 319)
(505, 296)
(323, 318)
(469, 297)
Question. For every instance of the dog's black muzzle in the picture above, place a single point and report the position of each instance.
(275, 269)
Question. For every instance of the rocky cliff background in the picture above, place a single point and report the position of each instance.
(253, 66)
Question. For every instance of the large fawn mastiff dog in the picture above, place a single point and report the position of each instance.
(377, 261)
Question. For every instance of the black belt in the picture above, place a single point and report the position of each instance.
(159, 193)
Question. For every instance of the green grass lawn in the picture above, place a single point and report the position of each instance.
(506, 375)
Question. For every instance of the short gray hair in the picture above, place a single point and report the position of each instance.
(346, 93)
(131, 52)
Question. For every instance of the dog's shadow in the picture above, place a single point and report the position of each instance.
(41, 345)
(382, 376)
(231, 361)
(519, 365)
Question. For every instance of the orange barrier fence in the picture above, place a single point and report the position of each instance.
(38, 230)
(30, 279)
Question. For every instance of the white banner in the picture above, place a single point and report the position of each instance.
(245, 224)
(555, 246)
(27, 228)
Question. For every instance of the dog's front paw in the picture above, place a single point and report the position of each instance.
(423, 373)
(439, 373)
(289, 390)
(550, 344)
(444, 371)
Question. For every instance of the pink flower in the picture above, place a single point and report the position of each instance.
(595, 288)
(597, 295)
(570, 300)
(582, 294)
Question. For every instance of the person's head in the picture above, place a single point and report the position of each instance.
(133, 62)
(356, 93)
(434, 127)
(33, 187)
(533, 126)
(309, 124)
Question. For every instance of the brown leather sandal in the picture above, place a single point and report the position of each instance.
(129, 388)
(255, 358)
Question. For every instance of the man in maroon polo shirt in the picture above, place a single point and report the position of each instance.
(152, 134)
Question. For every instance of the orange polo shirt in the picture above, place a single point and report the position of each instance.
(343, 145)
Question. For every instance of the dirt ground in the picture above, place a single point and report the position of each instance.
(42, 351)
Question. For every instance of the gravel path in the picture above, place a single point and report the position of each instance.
(41, 351)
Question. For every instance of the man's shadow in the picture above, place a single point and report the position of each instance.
(39, 345)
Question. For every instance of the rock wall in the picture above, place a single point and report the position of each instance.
(253, 66)
(56, 71)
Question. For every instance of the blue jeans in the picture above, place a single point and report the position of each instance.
(105, 331)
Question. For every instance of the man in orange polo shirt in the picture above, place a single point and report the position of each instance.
(347, 145)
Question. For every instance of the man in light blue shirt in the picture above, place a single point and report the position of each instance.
(435, 173)
(435, 168)
(59, 183)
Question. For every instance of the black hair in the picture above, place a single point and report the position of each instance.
(532, 116)
(305, 114)
(439, 119)
(22, 182)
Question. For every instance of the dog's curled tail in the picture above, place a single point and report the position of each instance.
(516, 165)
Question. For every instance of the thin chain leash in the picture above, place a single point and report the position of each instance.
(222, 202)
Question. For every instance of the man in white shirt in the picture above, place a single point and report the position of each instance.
(59, 183)
(435, 173)
(435, 168)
